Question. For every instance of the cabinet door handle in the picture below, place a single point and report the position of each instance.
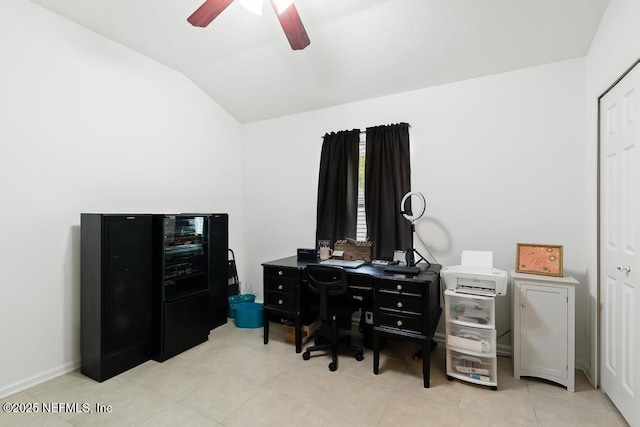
(399, 287)
(524, 305)
(399, 304)
(280, 301)
(280, 287)
(280, 273)
(399, 323)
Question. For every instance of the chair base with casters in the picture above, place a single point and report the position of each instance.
(334, 346)
(331, 285)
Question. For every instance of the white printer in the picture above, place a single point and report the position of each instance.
(475, 275)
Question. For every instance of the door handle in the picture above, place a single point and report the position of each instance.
(626, 269)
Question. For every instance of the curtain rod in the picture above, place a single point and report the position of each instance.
(362, 131)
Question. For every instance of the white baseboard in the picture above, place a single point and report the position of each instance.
(38, 379)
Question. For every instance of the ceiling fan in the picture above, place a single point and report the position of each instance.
(285, 10)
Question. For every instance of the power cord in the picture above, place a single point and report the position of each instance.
(503, 334)
(425, 246)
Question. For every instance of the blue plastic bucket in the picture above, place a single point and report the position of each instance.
(248, 315)
(235, 299)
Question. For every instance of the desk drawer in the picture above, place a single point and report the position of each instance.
(280, 300)
(400, 286)
(360, 280)
(408, 323)
(280, 272)
(399, 302)
(280, 284)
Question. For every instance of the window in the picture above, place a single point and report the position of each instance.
(361, 227)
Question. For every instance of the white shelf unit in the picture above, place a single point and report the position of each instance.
(544, 328)
(471, 338)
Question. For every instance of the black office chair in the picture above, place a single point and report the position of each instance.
(333, 306)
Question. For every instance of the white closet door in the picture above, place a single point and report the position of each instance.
(619, 240)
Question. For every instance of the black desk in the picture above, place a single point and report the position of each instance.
(404, 306)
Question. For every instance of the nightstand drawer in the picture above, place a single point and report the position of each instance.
(407, 323)
(280, 284)
(400, 303)
(398, 286)
(281, 272)
(280, 300)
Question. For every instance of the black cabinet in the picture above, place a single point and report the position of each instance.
(190, 286)
(116, 293)
(185, 324)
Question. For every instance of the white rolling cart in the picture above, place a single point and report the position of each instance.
(471, 338)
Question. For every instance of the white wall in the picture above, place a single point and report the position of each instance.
(614, 49)
(87, 125)
(500, 160)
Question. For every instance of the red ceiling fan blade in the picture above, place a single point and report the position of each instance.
(208, 12)
(292, 26)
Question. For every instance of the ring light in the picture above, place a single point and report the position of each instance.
(412, 217)
(407, 214)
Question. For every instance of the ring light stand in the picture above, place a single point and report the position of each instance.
(412, 217)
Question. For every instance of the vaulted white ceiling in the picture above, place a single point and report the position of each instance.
(360, 49)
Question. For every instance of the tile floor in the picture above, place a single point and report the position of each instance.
(235, 380)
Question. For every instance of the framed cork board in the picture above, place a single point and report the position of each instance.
(539, 259)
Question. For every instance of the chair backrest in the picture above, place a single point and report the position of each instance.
(327, 281)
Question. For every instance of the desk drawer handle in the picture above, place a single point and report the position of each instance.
(280, 301)
(280, 287)
(399, 287)
(399, 323)
(399, 304)
(280, 273)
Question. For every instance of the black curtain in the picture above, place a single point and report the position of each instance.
(338, 186)
(387, 180)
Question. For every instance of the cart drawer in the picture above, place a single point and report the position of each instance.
(473, 339)
(469, 310)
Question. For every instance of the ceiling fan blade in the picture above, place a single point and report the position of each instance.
(208, 12)
(292, 26)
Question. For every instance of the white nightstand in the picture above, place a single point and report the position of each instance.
(543, 325)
